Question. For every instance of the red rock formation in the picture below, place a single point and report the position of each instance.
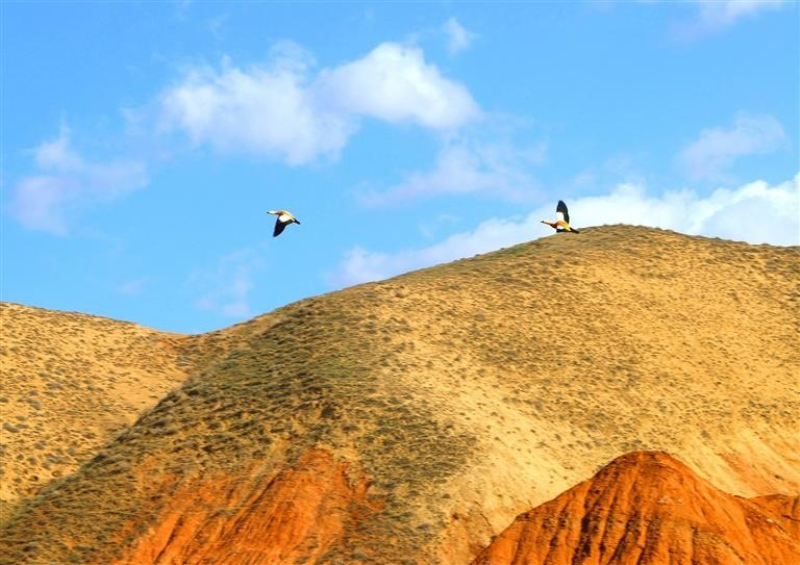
(647, 508)
(786, 508)
(292, 516)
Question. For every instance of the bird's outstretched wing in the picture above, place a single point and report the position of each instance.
(279, 227)
(562, 212)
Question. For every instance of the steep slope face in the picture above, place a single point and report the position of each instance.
(466, 394)
(645, 508)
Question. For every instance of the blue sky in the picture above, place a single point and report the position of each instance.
(143, 142)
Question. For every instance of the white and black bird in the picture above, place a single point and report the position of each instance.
(284, 219)
(562, 219)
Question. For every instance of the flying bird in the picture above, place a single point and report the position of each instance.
(284, 219)
(562, 219)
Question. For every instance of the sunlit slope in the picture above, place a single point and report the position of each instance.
(647, 508)
(71, 383)
(450, 399)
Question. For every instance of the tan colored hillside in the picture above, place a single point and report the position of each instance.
(70, 383)
(647, 508)
(419, 416)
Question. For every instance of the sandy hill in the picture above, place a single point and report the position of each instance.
(411, 420)
(70, 383)
(647, 508)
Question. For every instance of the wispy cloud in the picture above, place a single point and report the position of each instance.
(717, 149)
(362, 265)
(182, 9)
(717, 15)
(724, 13)
(133, 287)
(287, 111)
(755, 213)
(458, 37)
(463, 167)
(225, 288)
(216, 24)
(65, 183)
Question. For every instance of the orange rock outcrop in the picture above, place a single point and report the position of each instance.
(296, 515)
(648, 508)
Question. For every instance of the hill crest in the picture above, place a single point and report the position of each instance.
(467, 393)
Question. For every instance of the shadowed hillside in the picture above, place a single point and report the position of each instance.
(417, 417)
(647, 508)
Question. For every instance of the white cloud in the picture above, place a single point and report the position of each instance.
(58, 154)
(458, 37)
(771, 217)
(285, 111)
(361, 265)
(716, 150)
(270, 111)
(394, 83)
(429, 226)
(724, 13)
(66, 184)
(227, 286)
(755, 213)
(463, 168)
(717, 15)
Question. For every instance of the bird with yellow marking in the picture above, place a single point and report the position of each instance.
(562, 219)
(284, 219)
